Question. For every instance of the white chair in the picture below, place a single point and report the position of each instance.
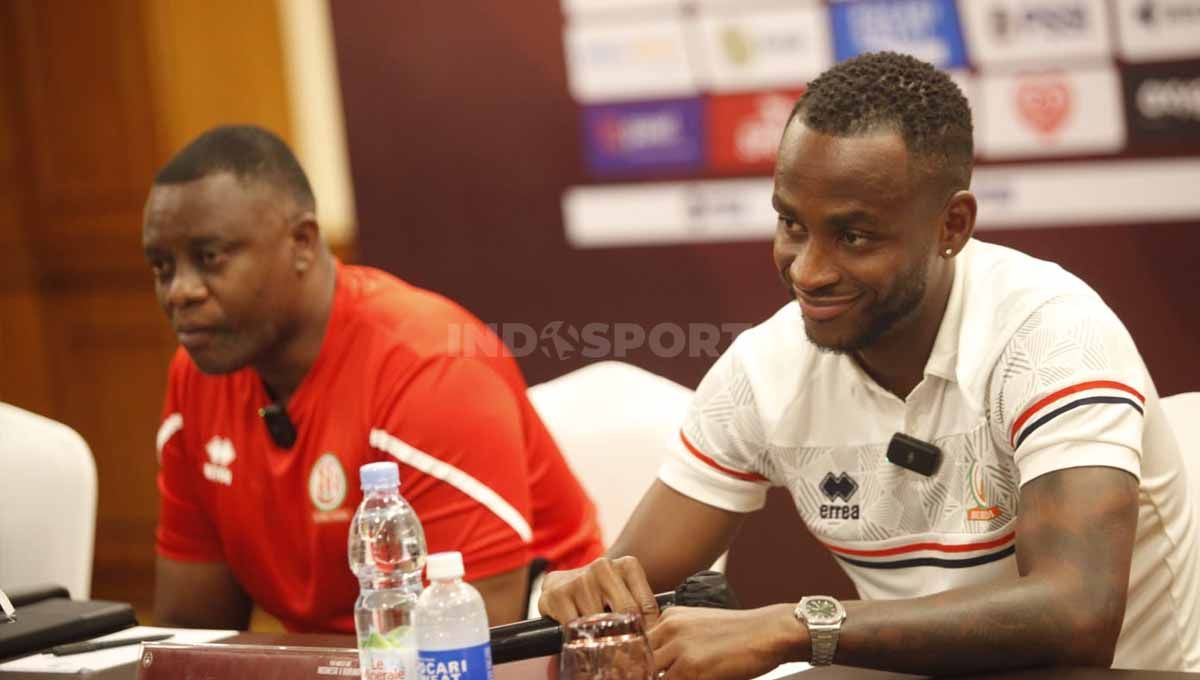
(47, 504)
(615, 424)
(1183, 412)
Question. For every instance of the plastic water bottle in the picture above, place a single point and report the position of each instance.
(386, 550)
(452, 626)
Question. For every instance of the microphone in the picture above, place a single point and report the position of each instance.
(543, 637)
(913, 454)
(279, 425)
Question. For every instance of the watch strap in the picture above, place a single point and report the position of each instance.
(824, 643)
(822, 634)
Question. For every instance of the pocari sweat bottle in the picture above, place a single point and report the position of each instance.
(386, 549)
(452, 626)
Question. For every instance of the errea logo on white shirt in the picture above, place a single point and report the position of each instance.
(220, 456)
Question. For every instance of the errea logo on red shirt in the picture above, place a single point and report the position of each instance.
(220, 456)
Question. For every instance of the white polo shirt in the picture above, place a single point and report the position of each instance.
(1030, 373)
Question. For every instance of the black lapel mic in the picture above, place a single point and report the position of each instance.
(279, 425)
(913, 454)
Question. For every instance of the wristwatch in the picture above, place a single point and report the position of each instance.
(823, 615)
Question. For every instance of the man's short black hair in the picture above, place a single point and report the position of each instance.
(247, 151)
(895, 91)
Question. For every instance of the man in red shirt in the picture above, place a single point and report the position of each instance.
(295, 370)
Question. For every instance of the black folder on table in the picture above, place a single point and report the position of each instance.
(45, 616)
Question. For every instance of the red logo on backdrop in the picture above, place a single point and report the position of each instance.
(1044, 103)
(609, 132)
(744, 129)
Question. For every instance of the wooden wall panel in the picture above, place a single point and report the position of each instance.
(24, 377)
(94, 97)
(212, 62)
(84, 95)
(84, 157)
(111, 353)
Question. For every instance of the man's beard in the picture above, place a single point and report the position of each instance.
(885, 314)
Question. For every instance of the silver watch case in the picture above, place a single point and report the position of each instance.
(823, 615)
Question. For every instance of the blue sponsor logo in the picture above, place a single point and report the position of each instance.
(927, 29)
(643, 137)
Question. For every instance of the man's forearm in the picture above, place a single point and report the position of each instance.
(1074, 546)
(1021, 623)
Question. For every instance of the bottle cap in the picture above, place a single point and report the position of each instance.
(444, 565)
(383, 475)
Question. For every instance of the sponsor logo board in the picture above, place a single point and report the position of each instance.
(926, 29)
(643, 137)
(748, 50)
(1036, 31)
(615, 61)
(1162, 104)
(744, 129)
(1149, 30)
(1060, 194)
(1053, 113)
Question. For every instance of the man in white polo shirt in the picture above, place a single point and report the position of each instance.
(969, 430)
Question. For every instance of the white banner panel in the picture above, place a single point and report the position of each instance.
(969, 85)
(1035, 31)
(1068, 194)
(1017, 196)
(617, 61)
(668, 212)
(577, 7)
(741, 50)
(1150, 30)
(1050, 114)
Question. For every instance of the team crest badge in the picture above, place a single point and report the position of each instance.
(327, 483)
(982, 512)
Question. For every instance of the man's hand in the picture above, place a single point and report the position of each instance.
(695, 643)
(618, 585)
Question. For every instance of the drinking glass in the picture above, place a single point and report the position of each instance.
(605, 647)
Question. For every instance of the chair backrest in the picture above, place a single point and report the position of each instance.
(615, 423)
(1183, 412)
(47, 504)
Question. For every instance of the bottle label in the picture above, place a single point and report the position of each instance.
(466, 663)
(391, 657)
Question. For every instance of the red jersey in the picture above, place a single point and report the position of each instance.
(390, 383)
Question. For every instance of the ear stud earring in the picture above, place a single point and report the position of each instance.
(949, 252)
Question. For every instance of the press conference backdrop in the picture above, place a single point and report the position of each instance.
(593, 177)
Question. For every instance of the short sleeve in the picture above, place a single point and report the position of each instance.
(184, 531)
(1069, 391)
(718, 458)
(457, 430)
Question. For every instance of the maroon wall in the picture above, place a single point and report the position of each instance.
(462, 137)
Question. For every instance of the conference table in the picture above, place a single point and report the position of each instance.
(546, 668)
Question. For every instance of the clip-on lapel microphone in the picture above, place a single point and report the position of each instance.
(279, 425)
